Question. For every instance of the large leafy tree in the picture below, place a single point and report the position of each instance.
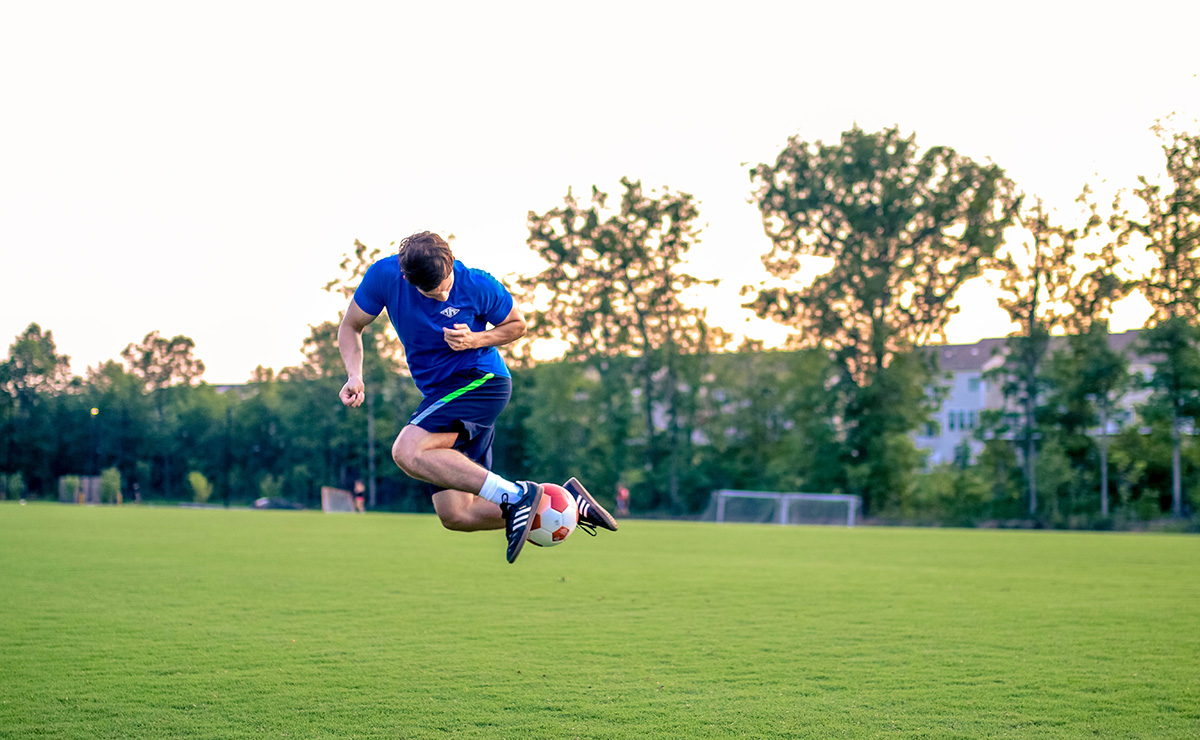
(1170, 225)
(902, 230)
(614, 285)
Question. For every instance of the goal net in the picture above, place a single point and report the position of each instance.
(765, 507)
(336, 501)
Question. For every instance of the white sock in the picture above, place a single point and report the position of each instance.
(494, 488)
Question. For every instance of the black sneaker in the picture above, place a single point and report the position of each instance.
(518, 516)
(591, 514)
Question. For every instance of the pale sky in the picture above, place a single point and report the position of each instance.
(200, 169)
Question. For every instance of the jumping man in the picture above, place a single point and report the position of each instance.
(441, 309)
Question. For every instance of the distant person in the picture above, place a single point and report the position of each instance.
(441, 309)
(622, 500)
(360, 505)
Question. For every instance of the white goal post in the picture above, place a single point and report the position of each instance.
(783, 503)
(337, 501)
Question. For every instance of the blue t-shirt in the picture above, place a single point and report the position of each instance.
(476, 299)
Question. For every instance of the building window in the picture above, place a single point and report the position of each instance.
(974, 384)
(951, 421)
(973, 418)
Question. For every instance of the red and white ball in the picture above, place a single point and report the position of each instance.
(555, 518)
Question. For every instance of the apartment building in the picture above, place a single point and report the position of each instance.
(969, 393)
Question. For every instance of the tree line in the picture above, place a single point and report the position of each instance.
(649, 395)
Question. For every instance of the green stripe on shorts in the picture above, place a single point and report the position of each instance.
(452, 395)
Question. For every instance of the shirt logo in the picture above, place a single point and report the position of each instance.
(449, 312)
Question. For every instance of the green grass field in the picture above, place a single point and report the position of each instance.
(171, 623)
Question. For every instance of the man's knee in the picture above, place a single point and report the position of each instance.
(405, 452)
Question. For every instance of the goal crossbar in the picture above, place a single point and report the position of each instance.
(785, 499)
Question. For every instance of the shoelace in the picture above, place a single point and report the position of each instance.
(589, 528)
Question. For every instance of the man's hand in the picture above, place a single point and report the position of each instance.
(460, 337)
(353, 393)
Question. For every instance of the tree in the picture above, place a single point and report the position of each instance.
(765, 422)
(1103, 373)
(161, 364)
(335, 446)
(903, 231)
(34, 365)
(1087, 381)
(1035, 278)
(613, 286)
(126, 419)
(1176, 387)
(1171, 227)
(32, 378)
(568, 431)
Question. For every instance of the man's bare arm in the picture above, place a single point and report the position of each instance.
(350, 345)
(511, 329)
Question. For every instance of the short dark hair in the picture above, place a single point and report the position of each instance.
(425, 260)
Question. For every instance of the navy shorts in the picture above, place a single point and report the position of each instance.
(467, 404)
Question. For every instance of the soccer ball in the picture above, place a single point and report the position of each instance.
(555, 518)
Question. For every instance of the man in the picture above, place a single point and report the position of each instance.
(441, 310)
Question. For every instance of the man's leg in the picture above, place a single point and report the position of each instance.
(447, 443)
(466, 512)
(431, 457)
